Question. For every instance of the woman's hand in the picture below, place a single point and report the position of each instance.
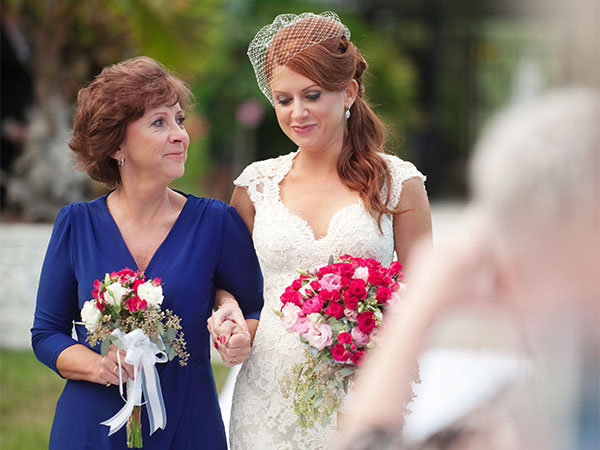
(107, 367)
(229, 332)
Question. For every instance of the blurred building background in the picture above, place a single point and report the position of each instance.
(438, 70)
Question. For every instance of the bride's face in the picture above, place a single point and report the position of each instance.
(312, 117)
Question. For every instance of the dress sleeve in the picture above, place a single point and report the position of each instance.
(252, 179)
(56, 305)
(400, 172)
(238, 270)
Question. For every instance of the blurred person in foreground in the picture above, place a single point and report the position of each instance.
(129, 134)
(531, 246)
(339, 193)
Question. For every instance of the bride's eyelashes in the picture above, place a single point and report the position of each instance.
(312, 96)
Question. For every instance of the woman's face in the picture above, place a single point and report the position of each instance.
(312, 117)
(155, 144)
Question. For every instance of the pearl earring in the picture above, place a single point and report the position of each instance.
(121, 162)
(347, 115)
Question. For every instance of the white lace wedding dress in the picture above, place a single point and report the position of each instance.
(260, 417)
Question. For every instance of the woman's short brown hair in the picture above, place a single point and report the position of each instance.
(119, 95)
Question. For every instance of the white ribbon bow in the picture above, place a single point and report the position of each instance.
(142, 354)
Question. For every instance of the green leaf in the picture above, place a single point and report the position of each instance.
(309, 394)
(330, 260)
(170, 334)
(170, 353)
(346, 371)
(303, 272)
(105, 345)
(160, 328)
(276, 312)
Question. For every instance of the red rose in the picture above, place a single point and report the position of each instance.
(357, 357)
(366, 322)
(136, 284)
(143, 305)
(345, 270)
(357, 288)
(329, 295)
(335, 310)
(344, 337)
(338, 351)
(99, 305)
(323, 271)
(315, 285)
(394, 268)
(157, 281)
(132, 303)
(291, 296)
(383, 294)
(95, 293)
(350, 301)
(376, 277)
(297, 284)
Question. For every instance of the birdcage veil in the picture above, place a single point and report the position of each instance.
(277, 43)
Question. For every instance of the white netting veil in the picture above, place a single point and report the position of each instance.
(277, 43)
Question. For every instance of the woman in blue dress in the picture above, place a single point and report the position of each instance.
(129, 133)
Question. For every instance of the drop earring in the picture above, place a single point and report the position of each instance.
(121, 162)
(347, 115)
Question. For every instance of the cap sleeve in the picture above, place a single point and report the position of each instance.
(252, 179)
(400, 171)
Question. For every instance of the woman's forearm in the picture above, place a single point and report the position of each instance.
(78, 362)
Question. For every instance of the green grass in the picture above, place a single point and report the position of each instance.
(28, 394)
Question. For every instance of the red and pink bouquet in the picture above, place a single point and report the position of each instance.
(126, 311)
(337, 311)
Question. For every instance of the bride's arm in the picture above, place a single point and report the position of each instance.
(412, 223)
(240, 200)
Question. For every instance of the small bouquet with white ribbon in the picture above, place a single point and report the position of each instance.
(125, 311)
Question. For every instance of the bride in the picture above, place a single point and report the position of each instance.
(338, 193)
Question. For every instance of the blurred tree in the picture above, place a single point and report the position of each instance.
(229, 84)
(71, 41)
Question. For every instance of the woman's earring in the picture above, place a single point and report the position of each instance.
(121, 162)
(347, 112)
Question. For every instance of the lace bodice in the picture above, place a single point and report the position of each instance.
(261, 417)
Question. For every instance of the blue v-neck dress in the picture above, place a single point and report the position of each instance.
(208, 246)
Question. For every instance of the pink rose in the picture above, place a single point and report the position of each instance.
(156, 282)
(350, 314)
(319, 335)
(300, 326)
(331, 283)
(360, 337)
(312, 305)
(291, 313)
(335, 310)
(361, 273)
(344, 337)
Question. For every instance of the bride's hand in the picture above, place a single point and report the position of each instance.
(236, 348)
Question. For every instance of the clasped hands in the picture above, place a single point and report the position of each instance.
(229, 333)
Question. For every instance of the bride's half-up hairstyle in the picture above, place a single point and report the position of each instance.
(318, 47)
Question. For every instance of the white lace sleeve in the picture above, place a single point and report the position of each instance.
(400, 171)
(252, 179)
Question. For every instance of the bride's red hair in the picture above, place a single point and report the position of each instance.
(332, 64)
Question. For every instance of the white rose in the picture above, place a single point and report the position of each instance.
(90, 315)
(152, 294)
(362, 273)
(114, 294)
